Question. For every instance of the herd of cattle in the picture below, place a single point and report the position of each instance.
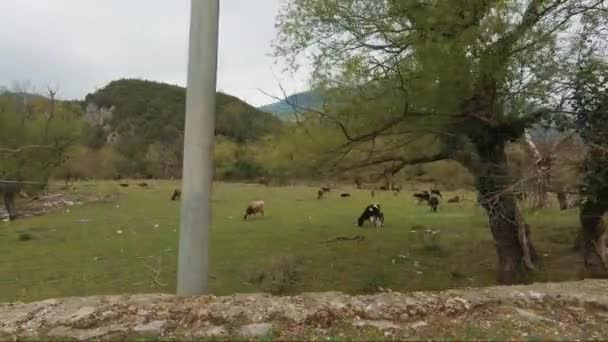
(372, 213)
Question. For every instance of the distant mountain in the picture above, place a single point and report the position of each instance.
(314, 100)
(286, 108)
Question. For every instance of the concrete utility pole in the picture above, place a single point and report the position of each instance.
(197, 176)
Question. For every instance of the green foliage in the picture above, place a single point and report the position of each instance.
(375, 282)
(236, 162)
(164, 160)
(149, 119)
(34, 138)
(295, 152)
(241, 122)
(473, 73)
(469, 71)
(25, 236)
(590, 103)
(81, 162)
(155, 112)
(446, 174)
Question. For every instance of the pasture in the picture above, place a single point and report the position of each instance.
(129, 244)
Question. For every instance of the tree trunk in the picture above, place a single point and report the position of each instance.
(388, 180)
(542, 166)
(9, 204)
(563, 200)
(594, 239)
(515, 251)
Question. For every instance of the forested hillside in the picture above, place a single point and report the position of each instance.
(155, 111)
(142, 122)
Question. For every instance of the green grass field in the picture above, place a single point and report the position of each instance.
(79, 252)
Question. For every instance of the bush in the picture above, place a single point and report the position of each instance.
(279, 276)
(446, 174)
(82, 162)
(25, 236)
(375, 283)
(243, 169)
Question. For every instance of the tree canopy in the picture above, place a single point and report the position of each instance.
(589, 104)
(35, 133)
(473, 73)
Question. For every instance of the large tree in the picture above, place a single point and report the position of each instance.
(35, 133)
(590, 105)
(473, 73)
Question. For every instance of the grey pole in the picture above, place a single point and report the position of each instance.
(193, 263)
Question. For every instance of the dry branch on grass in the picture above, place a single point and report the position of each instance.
(358, 238)
(156, 271)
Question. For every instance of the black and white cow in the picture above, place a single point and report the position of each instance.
(373, 214)
(433, 203)
(422, 196)
(436, 193)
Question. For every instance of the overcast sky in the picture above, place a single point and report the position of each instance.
(80, 45)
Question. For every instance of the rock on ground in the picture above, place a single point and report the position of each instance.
(573, 310)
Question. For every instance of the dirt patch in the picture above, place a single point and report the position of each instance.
(49, 202)
(574, 310)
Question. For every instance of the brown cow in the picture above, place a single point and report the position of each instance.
(254, 207)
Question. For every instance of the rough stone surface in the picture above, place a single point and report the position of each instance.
(216, 332)
(151, 328)
(255, 330)
(572, 310)
(419, 324)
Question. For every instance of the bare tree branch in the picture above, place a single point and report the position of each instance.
(22, 148)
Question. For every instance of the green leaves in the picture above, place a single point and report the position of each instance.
(34, 139)
(590, 105)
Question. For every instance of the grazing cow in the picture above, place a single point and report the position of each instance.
(326, 189)
(124, 185)
(454, 200)
(345, 194)
(373, 214)
(433, 203)
(176, 195)
(254, 207)
(320, 194)
(422, 196)
(143, 185)
(384, 188)
(436, 192)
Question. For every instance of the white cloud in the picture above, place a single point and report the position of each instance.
(83, 44)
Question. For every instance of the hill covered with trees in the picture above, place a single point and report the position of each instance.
(143, 122)
(155, 111)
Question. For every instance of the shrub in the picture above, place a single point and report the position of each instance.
(25, 236)
(375, 283)
(279, 276)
